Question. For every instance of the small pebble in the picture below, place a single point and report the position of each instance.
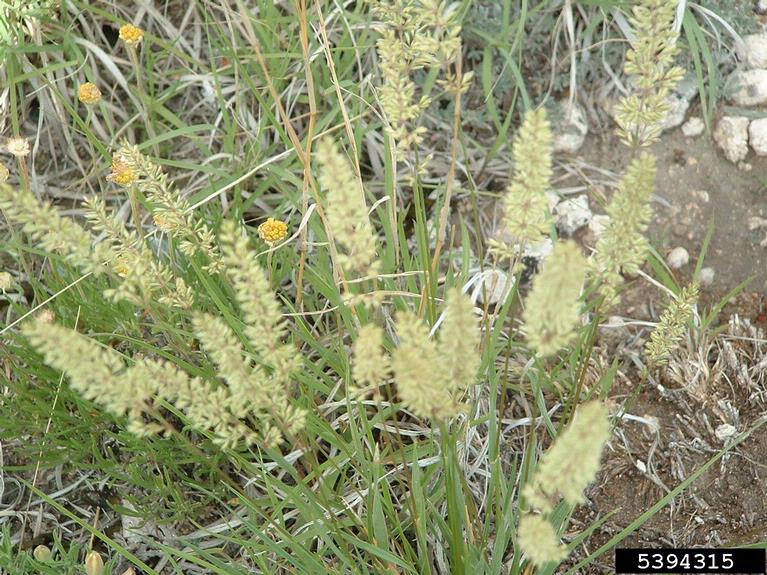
(757, 136)
(707, 276)
(572, 214)
(598, 224)
(725, 431)
(693, 127)
(678, 258)
(731, 135)
(495, 286)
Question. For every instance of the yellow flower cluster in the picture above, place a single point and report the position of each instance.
(89, 94)
(122, 173)
(273, 231)
(131, 35)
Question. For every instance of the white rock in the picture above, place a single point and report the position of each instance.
(693, 127)
(553, 199)
(677, 110)
(761, 7)
(598, 224)
(570, 132)
(748, 87)
(494, 285)
(679, 101)
(731, 135)
(757, 136)
(725, 431)
(677, 258)
(707, 276)
(688, 86)
(539, 250)
(753, 51)
(573, 214)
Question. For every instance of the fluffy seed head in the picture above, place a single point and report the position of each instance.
(131, 34)
(672, 326)
(371, 365)
(553, 307)
(17, 146)
(526, 216)
(170, 209)
(459, 340)
(572, 462)
(539, 541)
(649, 62)
(622, 248)
(89, 94)
(273, 231)
(431, 375)
(418, 370)
(347, 212)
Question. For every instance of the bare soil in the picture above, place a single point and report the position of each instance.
(672, 424)
(696, 185)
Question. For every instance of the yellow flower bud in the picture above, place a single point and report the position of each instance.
(273, 231)
(89, 94)
(42, 553)
(131, 35)
(94, 564)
